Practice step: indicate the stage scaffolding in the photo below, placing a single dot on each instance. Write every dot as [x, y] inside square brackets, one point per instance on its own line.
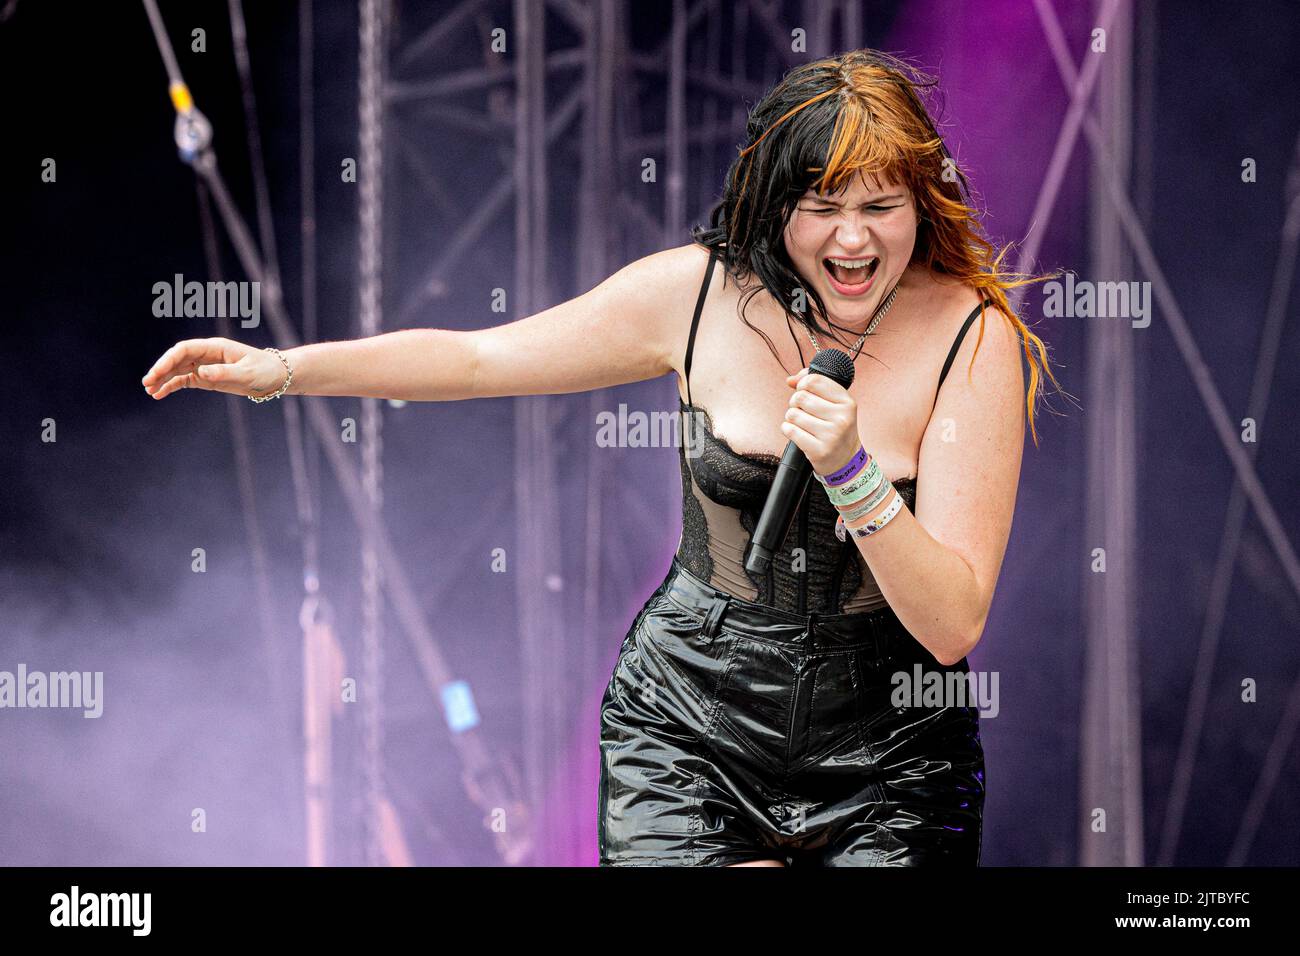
[681, 102]
[571, 70]
[599, 83]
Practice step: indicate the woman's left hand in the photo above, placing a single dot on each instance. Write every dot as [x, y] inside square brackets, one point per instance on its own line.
[822, 420]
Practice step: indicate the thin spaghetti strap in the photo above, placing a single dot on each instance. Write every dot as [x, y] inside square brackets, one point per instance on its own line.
[956, 345]
[695, 324]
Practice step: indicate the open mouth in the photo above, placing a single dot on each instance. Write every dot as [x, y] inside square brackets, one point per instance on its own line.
[851, 276]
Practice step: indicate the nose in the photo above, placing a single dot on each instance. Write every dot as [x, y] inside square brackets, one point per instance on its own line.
[853, 232]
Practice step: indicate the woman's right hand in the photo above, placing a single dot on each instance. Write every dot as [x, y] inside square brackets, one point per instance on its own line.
[218, 365]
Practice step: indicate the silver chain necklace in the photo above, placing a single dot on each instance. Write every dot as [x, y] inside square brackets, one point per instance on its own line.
[880, 314]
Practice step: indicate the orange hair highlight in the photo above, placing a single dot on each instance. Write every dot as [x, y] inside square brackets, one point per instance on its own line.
[861, 113]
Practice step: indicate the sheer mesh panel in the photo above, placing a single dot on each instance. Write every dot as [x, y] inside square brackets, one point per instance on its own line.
[723, 494]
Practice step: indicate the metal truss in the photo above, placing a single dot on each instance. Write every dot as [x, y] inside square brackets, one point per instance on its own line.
[680, 103]
[1115, 724]
[528, 109]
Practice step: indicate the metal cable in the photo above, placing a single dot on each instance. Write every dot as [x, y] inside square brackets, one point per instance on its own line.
[307, 231]
[164, 43]
[370, 210]
[304, 500]
[303, 497]
[248, 505]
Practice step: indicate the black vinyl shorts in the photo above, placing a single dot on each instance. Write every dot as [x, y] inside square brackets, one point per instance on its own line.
[731, 732]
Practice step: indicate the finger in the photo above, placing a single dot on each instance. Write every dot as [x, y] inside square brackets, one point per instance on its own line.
[811, 424]
[813, 403]
[827, 388]
[173, 384]
[207, 377]
[166, 364]
[213, 376]
[800, 437]
[792, 380]
[189, 380]
[184, 357]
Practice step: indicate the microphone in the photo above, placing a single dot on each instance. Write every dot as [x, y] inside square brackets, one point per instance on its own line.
[792, 475]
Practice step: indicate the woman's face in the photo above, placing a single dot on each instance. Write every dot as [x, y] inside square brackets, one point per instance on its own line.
[870, 228]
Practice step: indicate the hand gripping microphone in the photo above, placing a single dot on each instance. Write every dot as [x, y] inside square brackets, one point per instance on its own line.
[792, 475]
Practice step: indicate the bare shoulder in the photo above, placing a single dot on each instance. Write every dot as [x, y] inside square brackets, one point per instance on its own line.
[988, 364]
[991, 337]
[667, 286]
[948, 300]
[643, 301]
[625, 329]
[669, 277]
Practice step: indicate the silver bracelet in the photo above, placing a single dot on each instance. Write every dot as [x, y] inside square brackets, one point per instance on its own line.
[283, 388]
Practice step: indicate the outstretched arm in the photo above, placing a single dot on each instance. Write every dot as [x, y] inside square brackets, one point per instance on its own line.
[623, 330]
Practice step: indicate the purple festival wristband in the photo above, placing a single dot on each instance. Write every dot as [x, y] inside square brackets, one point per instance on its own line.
[848, 471]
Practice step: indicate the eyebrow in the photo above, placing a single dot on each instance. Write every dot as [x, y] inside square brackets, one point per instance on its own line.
[871, 202]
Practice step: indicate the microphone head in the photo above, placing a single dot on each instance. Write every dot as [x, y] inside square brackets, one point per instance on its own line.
[835, 365]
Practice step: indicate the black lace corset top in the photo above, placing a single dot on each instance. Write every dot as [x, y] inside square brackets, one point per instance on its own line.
[723, 493]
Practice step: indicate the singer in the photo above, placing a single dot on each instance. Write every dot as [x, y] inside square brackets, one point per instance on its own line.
[753, 718]
[762, 710]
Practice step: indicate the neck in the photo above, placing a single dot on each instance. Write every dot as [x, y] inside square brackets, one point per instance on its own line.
[858, 325]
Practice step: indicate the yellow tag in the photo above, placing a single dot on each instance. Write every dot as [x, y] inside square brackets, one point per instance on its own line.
[180, 94]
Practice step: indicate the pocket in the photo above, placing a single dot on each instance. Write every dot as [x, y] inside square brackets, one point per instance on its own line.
[685, 665]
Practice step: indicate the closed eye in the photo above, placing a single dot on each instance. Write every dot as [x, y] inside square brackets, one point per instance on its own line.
[823, 210]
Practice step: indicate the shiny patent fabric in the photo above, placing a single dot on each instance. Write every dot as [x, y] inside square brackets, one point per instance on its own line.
[731, 732]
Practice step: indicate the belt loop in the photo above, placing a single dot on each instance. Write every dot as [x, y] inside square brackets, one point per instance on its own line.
[714, 617]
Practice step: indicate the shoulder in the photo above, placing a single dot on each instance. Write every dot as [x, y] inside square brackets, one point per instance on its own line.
[957, 314]
[666, 285]
[673, 277]
[656, 288]
[985, 344]
[669, 273]
[652, 299]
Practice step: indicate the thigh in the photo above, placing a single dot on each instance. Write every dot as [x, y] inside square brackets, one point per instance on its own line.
[663, 800]
[924, 799]
[926, 808]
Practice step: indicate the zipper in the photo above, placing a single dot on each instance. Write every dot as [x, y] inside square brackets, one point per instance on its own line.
[803, 543]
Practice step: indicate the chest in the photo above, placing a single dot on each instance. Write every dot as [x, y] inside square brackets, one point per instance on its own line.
[740, 383]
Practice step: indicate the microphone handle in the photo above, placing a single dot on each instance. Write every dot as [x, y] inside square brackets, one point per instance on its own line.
[787, 492]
